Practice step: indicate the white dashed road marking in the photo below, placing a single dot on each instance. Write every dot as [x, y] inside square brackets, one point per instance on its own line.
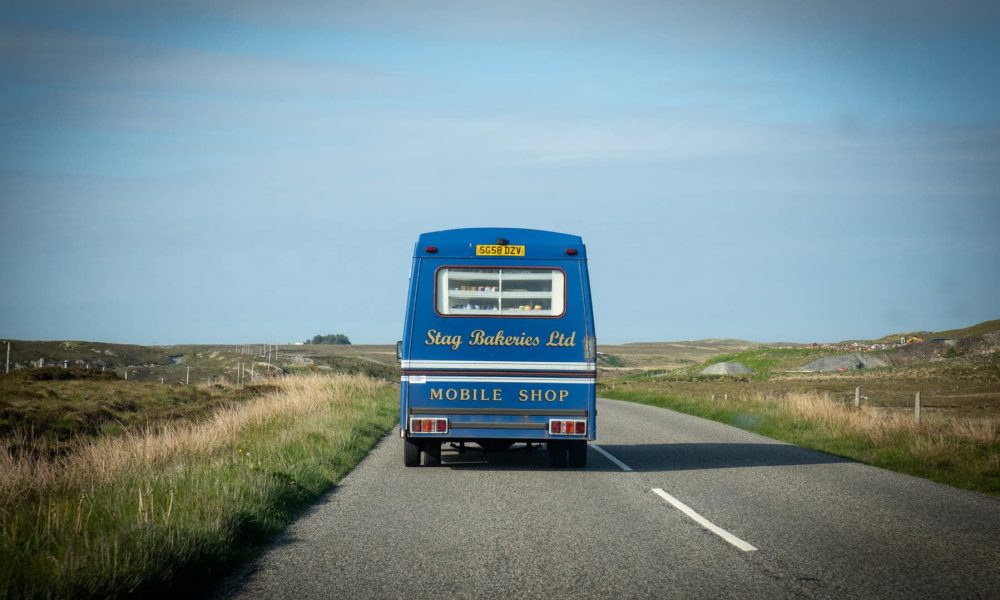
[722, 533]
[684, 508]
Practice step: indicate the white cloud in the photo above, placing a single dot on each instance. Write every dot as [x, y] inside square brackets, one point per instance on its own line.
[685, 19]
[94, 60]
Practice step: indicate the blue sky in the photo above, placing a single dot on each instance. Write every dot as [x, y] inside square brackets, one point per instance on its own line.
[173, 172]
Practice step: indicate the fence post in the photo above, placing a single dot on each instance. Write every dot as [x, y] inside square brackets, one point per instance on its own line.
[857, 396]
[187, 378]
[8, 357]
[916, 407]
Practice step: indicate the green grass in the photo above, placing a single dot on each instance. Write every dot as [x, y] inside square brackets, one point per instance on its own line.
[168, 512]
[765, 362]
[949, 451]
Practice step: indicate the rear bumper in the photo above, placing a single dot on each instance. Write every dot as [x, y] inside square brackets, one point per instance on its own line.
[499, 423]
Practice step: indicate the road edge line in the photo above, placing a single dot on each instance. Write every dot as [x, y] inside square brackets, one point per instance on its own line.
[687, 510]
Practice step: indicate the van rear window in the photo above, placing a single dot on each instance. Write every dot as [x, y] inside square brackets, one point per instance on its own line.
[501, 292]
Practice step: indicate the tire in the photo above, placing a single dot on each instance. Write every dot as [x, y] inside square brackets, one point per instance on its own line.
[411, 452]
[557, 454]
[432, 453]
[578, 454]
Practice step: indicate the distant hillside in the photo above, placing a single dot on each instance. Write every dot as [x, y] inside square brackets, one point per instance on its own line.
[706, 343]
[203, 362]
[955, 334]
[980, 329]
[199, 363]
[775, 357]
[666, 355]
[28, 353]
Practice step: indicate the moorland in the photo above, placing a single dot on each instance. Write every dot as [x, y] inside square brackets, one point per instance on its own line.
[129, 470]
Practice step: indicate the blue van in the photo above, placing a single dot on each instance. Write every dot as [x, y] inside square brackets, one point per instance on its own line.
[498, 345]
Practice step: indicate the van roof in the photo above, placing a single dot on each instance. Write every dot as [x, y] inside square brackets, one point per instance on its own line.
[461, 243]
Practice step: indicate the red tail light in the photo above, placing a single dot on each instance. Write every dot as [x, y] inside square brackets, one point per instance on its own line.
[438, 425]
[568, 427]
[431, 249]
[571, 251]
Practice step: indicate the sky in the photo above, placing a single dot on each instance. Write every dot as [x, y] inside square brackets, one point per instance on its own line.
[245, 171]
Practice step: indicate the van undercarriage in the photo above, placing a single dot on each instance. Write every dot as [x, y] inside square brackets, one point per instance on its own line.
[427, 451]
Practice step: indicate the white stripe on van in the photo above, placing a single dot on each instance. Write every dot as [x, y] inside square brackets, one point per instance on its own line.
[460, 379]
[478, 365]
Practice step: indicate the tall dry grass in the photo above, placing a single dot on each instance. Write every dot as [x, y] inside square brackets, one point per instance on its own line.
[964, 452]
[878, 425]
[130, 513]
[95, 463]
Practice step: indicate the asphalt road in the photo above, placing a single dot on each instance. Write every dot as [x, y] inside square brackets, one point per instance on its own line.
[506, 525]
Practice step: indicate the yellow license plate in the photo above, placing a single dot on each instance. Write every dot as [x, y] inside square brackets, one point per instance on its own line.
[498, 250]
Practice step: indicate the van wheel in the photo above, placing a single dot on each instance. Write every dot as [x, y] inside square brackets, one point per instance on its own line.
[578, 454]
[557, 454]
[432, 453]
[411, 452]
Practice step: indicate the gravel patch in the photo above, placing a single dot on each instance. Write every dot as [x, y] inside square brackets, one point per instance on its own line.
[853, 361]
[726, 368]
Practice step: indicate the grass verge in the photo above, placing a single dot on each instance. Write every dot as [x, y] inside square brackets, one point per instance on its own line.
[163, 511]
[51, 411]
[964, 453]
